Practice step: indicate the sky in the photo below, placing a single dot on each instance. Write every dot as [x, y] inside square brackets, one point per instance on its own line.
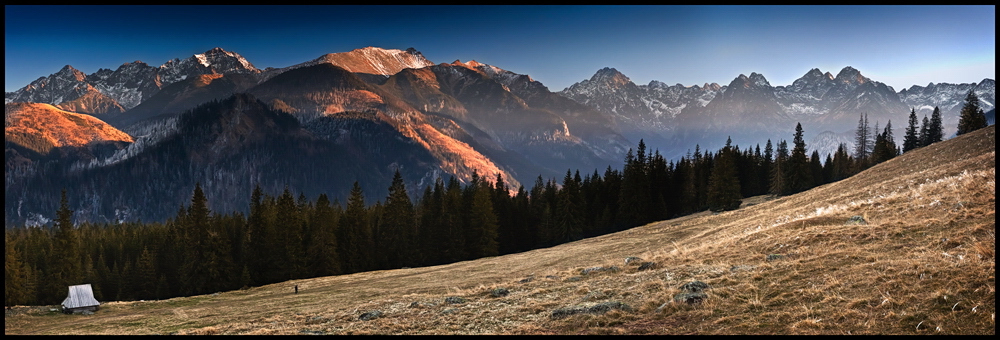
[900, 46]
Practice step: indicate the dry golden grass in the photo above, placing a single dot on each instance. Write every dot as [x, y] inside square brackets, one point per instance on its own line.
[58, 127]
[923, 264]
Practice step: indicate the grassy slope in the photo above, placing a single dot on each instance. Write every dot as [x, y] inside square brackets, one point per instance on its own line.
[924, 264]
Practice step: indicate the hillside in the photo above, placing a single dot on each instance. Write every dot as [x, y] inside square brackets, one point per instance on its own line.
[923, 263]
[41, 127]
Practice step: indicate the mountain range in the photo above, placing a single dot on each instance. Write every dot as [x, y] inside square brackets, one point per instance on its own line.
[675, 118]
[142, 136]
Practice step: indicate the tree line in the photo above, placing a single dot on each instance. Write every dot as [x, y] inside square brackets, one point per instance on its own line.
[287, 237]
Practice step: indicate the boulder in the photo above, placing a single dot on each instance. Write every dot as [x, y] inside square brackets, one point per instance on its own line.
[694, 287]
[370, 315]
[632, 259]
[454, 300]
[648, 265]
[599, 269]
[690, 298]
[499, 292]
[599, 308]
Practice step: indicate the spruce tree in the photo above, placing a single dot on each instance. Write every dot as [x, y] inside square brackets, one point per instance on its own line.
[634, 199]
[15, 278]
[816, 167]
[290, 221]
[503, 206]
[779, 182]
[862, 141]
[723, 183]
[431, 229]
[483, 240]
[935, 133]
[397, 225]
[454, 220]
[66, 262]
[972, 116]
[352, 228]
[912, 138]
[799, 174]
[324, 258]
[885, 145]
[766, 163]
[569, 211]
[146, 276]
[263, 265]
[925, 127]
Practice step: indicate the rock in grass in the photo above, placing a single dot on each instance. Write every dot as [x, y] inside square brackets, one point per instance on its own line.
[694, 287]
[566, 311]
[454, 300]
[647, 265]
[692, 293]
[499, 292]
[370, 315]
[773, 257]
[690, 298]
[857, 220]
[600, 308]
[631, 259]
[605, 307]
[316, 320]
[599, 269]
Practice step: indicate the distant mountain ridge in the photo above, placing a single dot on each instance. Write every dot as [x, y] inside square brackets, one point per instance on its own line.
[131, 83]
[750, 109]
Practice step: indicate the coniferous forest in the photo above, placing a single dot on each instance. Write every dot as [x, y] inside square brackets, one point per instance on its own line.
[289, 236]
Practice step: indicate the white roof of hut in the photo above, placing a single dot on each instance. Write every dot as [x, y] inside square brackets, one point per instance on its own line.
[80, 296]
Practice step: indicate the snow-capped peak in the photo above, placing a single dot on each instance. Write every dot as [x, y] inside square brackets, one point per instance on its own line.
[220, 58]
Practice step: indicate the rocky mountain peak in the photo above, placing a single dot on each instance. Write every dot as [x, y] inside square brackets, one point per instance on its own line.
[850, 75]
[813, 81]
[758, 79]
[225, 62]
[70, 73]
[373, 60]
[814, 76]
[610, 76]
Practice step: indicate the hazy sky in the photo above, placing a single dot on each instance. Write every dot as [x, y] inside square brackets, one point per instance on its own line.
[556, 45]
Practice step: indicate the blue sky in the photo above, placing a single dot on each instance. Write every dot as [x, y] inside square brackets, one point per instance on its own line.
[557, 45]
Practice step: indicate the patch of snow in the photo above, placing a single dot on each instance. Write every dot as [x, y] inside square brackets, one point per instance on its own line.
[201, 59]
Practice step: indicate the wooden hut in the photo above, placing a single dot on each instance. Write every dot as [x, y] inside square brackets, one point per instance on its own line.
[80, 298]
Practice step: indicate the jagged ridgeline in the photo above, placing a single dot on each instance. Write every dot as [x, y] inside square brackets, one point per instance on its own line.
[394, 109]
